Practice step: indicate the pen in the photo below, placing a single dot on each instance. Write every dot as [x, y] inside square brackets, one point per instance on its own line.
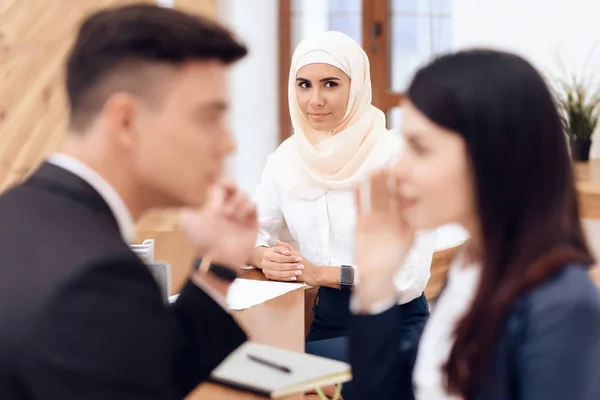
[278, 367]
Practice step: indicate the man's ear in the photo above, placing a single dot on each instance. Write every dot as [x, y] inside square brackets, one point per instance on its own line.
[120, 111]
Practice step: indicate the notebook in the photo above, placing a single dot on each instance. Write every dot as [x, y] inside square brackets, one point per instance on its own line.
[276, 373]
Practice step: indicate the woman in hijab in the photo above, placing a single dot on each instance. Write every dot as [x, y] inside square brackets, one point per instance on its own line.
[305, 199]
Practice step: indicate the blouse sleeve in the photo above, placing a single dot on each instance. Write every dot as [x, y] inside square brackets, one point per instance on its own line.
[270, 215]
[412, 278]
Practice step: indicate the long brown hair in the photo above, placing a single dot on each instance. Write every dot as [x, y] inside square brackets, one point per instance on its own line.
[523, 184]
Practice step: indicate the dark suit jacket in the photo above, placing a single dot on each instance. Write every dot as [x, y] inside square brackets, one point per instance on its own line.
[548, 349]
[81, 317]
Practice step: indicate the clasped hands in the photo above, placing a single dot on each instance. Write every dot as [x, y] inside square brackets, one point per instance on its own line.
[284, 263]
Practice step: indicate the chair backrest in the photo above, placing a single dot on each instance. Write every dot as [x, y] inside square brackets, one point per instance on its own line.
[440, 264]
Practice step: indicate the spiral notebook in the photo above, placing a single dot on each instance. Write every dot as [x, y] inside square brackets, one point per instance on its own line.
[275, 373]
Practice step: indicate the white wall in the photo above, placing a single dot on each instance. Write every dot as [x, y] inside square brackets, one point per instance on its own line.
[253, 86]
[538, 30]
[534, 29]
[560, 37]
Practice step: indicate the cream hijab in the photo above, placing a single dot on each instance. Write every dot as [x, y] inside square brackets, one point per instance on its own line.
[310, 163]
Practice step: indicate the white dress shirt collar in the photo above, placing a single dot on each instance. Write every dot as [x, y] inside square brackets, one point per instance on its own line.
[105, 190]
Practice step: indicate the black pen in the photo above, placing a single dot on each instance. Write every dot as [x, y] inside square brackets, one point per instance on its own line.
[278, 367]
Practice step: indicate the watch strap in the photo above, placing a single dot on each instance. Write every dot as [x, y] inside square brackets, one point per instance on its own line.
[220, 271]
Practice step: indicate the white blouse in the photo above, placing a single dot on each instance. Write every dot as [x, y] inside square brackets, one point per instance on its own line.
[322, 230]
[437, 340]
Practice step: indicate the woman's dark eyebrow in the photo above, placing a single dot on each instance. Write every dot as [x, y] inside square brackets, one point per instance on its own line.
[329, 78]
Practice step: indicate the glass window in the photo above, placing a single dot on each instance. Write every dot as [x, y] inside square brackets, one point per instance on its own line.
[350, 26]
[420, 29]
[345, 6]
[421, 6]
[314, 16]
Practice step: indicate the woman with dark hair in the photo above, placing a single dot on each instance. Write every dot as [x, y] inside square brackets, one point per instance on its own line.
[519, 317]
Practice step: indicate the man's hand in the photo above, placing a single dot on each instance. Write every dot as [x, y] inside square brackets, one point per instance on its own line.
[225, 229]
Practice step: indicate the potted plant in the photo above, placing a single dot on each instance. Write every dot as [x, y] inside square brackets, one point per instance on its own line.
[579, 103]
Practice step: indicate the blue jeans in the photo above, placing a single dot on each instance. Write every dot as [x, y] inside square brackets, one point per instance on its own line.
[328, 335]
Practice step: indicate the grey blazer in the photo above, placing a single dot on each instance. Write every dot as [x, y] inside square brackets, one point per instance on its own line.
[549, 347]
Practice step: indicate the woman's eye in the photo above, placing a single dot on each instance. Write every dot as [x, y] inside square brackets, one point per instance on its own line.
[330, 84]
[419, 149]
[304, 85]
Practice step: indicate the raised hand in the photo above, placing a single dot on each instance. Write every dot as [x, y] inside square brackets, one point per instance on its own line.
[225, 229]
[383, 236]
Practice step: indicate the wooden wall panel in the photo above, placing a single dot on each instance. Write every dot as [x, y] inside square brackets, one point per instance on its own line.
[35, 36]
[202, 7]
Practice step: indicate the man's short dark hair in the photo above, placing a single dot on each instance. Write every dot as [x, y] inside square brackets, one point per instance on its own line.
[113, 46]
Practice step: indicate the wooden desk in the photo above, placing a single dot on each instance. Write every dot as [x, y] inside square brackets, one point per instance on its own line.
[278, 322]
[587, 178]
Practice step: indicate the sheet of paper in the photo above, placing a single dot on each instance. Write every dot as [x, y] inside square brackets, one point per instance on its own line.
[245, 293]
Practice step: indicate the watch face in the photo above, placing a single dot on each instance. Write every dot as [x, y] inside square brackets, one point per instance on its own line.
[347, 275]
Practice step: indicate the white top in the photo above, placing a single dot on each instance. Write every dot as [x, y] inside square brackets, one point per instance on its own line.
[437, 340]
[323, 229]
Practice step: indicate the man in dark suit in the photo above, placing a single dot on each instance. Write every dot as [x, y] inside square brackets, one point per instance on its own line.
[81, 316]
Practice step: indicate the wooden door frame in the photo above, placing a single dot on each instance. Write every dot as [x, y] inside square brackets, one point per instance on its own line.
[377, 48]
[285, 58]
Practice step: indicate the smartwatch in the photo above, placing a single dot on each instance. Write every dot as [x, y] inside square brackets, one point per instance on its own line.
[346, 279]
